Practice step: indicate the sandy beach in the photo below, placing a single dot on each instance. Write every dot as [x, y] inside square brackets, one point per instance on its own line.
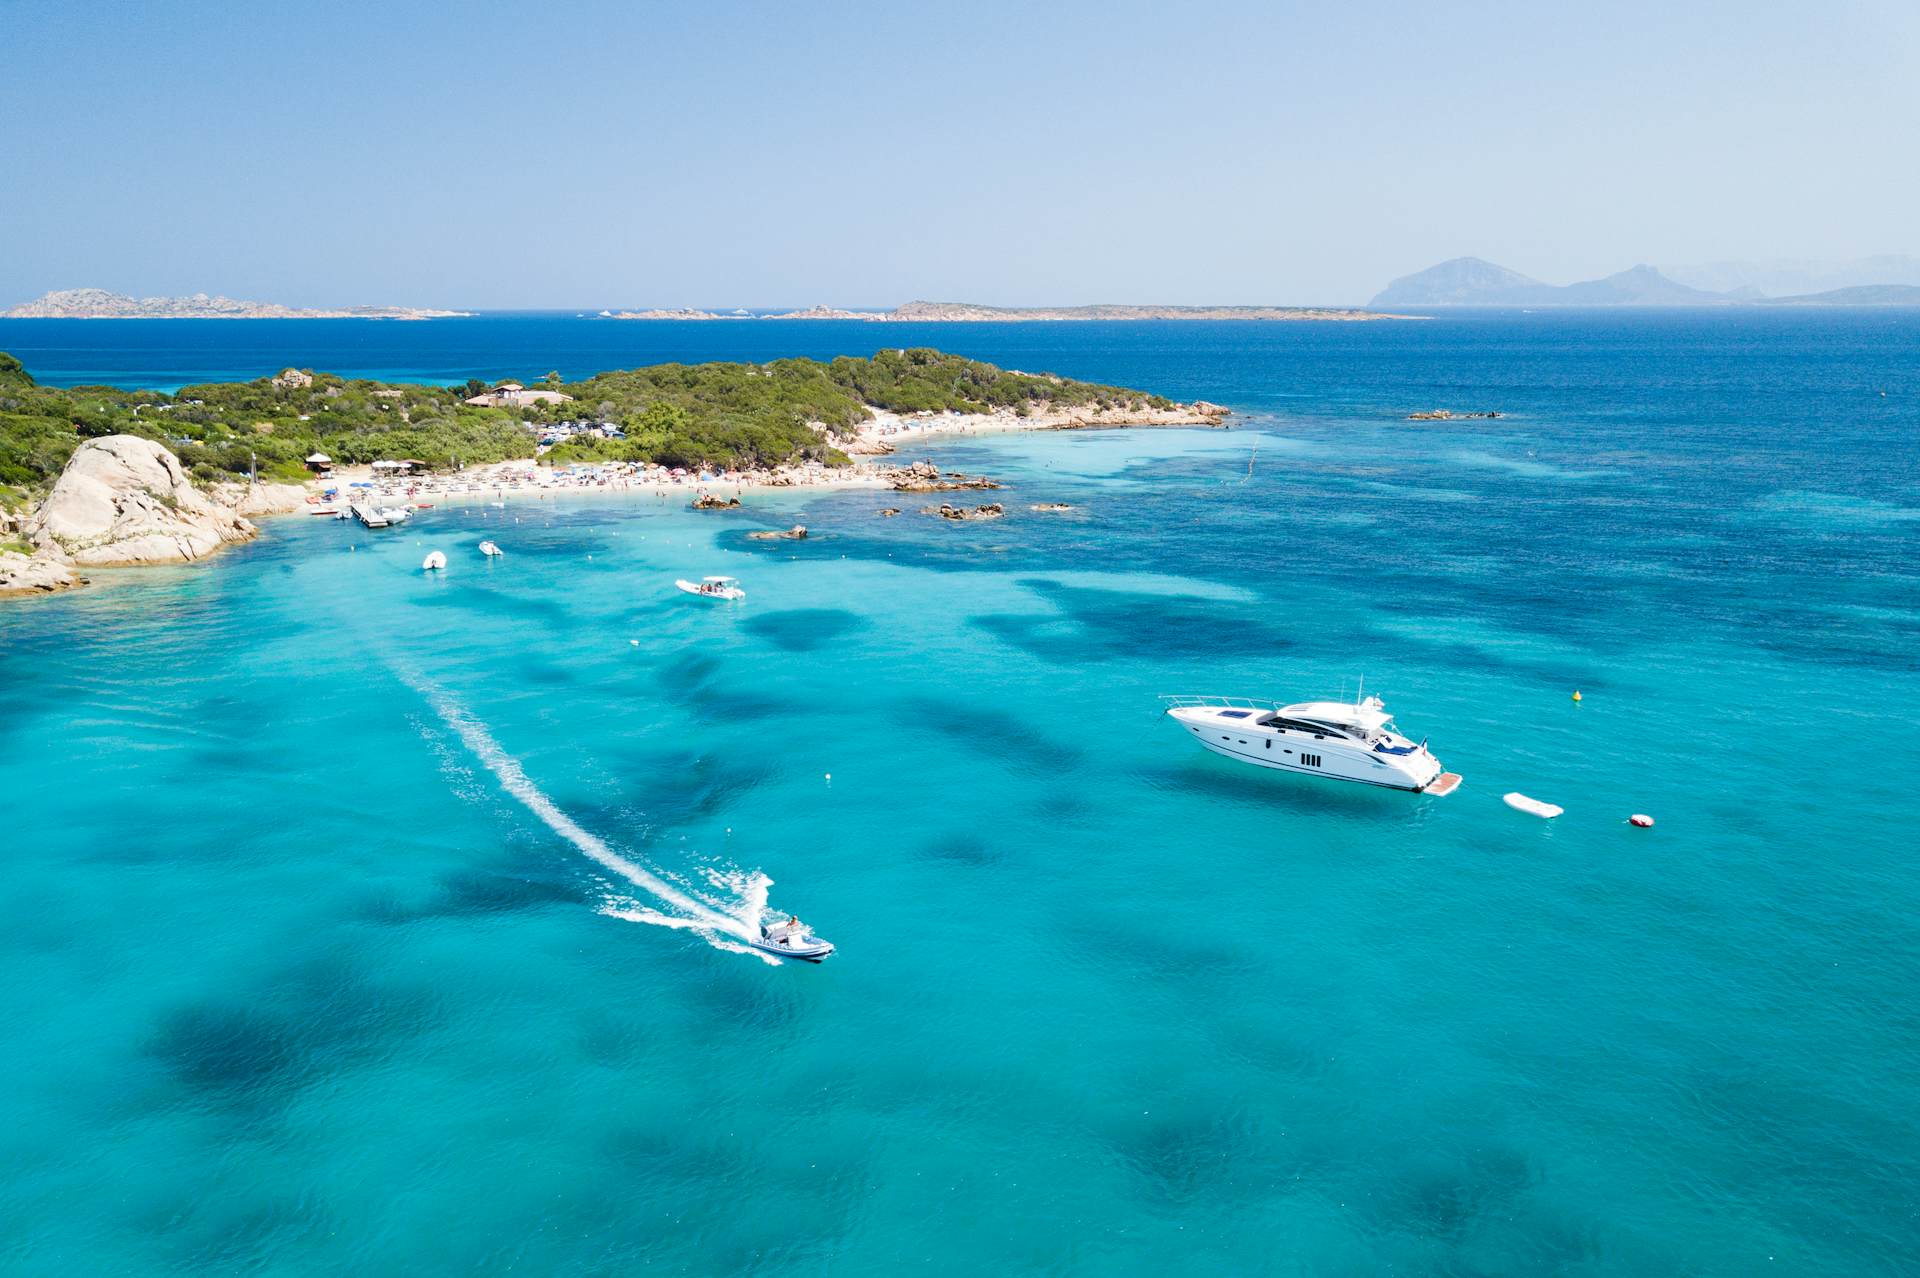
[880, 437]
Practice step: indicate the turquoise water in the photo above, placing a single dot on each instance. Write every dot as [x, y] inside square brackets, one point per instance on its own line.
[306, 976]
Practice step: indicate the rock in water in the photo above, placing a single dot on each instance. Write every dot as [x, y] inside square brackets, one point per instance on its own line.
[127, 500]
[945, 510]
[925, 477]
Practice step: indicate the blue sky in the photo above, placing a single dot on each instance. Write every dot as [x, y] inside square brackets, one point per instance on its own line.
[609, 152]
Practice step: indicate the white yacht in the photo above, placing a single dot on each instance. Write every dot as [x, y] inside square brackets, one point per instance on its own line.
[1348, 742]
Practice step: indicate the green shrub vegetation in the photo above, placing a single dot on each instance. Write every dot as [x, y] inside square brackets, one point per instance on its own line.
[674, 414]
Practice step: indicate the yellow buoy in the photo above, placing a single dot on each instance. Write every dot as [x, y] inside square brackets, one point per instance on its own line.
[1576, 694]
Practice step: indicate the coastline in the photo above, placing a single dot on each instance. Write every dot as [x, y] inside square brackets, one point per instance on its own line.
[972, 313]
[53, 570]
[879, 437]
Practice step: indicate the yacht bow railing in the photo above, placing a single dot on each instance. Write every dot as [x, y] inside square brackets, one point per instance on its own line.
[1182, 701]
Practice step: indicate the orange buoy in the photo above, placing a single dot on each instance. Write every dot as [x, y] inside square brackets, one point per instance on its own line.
[1642, 820]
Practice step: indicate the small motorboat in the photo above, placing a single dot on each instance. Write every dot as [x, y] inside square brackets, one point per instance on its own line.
[713, 588]
[434, 562]
[791, 940]
[488, 549]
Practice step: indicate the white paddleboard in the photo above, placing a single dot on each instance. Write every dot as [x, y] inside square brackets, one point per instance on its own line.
[1532, 807]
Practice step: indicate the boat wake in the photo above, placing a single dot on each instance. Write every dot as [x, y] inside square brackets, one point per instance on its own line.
[722, 923]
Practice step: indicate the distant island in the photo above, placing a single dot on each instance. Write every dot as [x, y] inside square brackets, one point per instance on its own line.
[1858, 295]
[1797, 277]
[972, 312]
[96, 303]
[1473, 281]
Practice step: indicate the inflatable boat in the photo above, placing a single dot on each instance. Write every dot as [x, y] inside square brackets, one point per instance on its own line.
[791, 940]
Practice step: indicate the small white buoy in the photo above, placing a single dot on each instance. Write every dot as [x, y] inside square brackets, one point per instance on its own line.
[829, 776]
[634, 642]
[1642, 820]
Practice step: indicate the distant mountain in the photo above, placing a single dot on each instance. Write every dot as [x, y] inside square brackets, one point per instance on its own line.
[1464, 281]
[1472, 281]
[1636, 286]
[1798, 277]
[97, 303]
[1862, 295]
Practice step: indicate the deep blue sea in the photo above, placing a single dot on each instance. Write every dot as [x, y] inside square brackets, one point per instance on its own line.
[332, 923]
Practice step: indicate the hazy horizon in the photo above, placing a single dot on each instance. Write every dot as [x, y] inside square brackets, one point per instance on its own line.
[751, 155]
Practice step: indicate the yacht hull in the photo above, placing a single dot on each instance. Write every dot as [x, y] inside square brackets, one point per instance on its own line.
[1279, 751]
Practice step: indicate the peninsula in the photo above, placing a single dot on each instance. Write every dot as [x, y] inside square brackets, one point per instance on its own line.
[95, 303]
[973, 313]
[968, 312]
[95, 476]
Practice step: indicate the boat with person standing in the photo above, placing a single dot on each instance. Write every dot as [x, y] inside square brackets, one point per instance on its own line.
[723, 588]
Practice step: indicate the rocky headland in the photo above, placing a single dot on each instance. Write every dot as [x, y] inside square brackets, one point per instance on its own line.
[127, 500]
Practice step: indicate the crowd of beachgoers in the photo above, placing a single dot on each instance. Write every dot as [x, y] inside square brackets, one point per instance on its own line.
[529, 478]
[875, 438]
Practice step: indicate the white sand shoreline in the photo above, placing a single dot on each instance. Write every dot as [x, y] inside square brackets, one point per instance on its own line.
[880, 436]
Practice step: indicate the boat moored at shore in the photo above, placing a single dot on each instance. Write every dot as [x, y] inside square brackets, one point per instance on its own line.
[1345, 741]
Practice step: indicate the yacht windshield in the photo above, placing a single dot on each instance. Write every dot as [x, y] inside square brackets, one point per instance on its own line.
[1303, 725]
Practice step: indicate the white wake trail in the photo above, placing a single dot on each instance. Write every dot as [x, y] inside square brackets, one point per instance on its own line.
[719, 928]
